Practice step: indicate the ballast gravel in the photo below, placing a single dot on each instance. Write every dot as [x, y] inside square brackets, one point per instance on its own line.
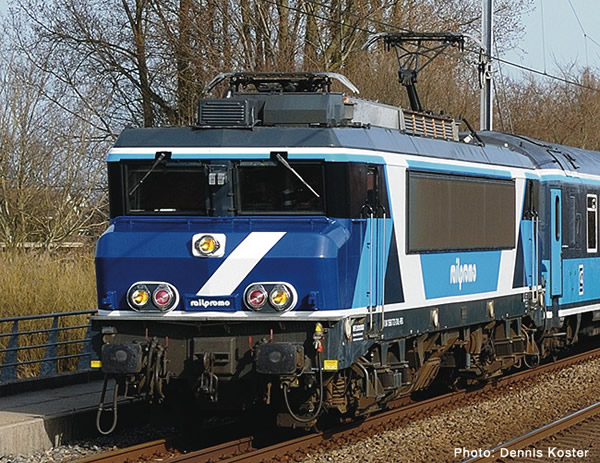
[93, 446]
[456, 435]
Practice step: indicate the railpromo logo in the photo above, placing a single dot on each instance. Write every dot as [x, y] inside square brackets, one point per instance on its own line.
[462, 273]
[206, 303]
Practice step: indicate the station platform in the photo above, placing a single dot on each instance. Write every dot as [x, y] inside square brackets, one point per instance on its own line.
[40, 420]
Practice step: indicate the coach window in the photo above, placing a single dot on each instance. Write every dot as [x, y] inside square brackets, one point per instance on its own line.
[592, 223]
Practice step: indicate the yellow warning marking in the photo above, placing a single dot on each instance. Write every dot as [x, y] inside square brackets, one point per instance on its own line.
[330, 365]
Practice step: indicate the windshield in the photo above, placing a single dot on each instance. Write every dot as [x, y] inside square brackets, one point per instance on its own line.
[167, 190]
[274, 189]
[228, 188]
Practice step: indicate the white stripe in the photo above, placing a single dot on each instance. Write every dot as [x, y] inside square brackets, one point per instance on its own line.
[180, 315]
[410, 264]
[576, 310]
[508, 257]
[240, 263]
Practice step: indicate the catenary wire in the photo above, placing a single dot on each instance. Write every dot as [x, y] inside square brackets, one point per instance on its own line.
[583, 31]
[497, 58]
[543, 33]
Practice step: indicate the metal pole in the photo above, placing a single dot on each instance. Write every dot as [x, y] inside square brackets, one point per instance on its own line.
[485, 66]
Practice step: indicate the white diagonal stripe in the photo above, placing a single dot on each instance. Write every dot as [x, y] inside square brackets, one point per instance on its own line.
[240, 263]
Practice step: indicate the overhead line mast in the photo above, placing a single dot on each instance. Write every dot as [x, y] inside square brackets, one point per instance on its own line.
[485, 66]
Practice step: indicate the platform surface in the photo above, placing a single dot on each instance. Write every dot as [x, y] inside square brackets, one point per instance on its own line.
[39, 420]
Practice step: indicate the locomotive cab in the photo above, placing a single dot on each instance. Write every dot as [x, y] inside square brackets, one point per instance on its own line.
[228, 271]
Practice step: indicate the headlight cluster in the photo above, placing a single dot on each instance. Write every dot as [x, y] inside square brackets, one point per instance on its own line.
[152, 296]
[280, 296]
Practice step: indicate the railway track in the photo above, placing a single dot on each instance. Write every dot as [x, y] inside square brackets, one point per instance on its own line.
[403, 411]
[573, 437]
[164, 449]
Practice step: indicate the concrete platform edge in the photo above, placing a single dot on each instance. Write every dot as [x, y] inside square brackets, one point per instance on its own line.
[43, 433]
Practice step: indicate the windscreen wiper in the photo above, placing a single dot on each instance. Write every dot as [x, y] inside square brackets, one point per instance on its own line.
[282, 160]
[159, 158]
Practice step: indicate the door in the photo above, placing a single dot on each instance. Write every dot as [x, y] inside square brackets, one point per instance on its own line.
[555, 242]
[377, 215]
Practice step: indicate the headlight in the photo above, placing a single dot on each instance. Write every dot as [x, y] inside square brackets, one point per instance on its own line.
[208, 245]
[280, 297]
[139, 297]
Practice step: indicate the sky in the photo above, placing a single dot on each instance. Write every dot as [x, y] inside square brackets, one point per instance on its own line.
[570, 34]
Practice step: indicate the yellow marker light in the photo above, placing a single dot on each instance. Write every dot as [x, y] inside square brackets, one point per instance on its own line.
[280, 297]
[140, 297]
[95, 364]
[207, 245]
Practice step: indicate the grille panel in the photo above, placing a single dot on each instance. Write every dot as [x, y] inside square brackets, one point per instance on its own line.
[225, 113]
[430, 126]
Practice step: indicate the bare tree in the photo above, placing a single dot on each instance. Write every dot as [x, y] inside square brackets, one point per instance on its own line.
[51, 165]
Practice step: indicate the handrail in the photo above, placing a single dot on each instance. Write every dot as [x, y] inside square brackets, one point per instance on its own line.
[9, 351]
[49, 315]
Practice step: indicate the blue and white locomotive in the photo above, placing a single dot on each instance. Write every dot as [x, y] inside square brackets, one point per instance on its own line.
[318, 254]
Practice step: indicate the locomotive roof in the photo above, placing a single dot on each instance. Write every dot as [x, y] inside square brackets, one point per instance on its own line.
[364, 138]
[499, 149]
[545, 155]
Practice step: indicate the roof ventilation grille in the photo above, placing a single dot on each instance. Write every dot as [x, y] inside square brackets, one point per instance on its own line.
[430, 126]
[225, 113]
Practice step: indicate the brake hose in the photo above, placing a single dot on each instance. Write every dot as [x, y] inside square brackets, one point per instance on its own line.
[101, 407]
[318, 411]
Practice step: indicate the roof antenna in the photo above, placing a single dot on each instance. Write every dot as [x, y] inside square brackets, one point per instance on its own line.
[414, 51]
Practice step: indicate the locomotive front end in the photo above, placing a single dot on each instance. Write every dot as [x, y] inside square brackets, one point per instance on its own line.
[229, 275]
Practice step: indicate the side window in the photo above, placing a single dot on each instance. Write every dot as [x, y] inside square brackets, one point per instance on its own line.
[573, 222]
[372, 187]
[592, 223]
[459, 213]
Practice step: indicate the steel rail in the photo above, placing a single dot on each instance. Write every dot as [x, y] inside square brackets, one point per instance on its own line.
[165, 448]
[538, 435]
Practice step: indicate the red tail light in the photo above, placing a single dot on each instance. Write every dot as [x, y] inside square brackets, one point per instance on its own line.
[163, 297]
[256, 297]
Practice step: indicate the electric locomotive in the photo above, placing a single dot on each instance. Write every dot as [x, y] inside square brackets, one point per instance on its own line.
[316, 254]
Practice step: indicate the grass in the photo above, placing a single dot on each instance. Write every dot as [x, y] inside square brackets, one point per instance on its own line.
[38, 282]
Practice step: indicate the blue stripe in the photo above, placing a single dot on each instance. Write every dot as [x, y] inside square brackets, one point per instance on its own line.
[328, 157]
[363, 285]
[438, 167]
[151, 155]
[340, 157]
[460, 273]
[571, 284]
